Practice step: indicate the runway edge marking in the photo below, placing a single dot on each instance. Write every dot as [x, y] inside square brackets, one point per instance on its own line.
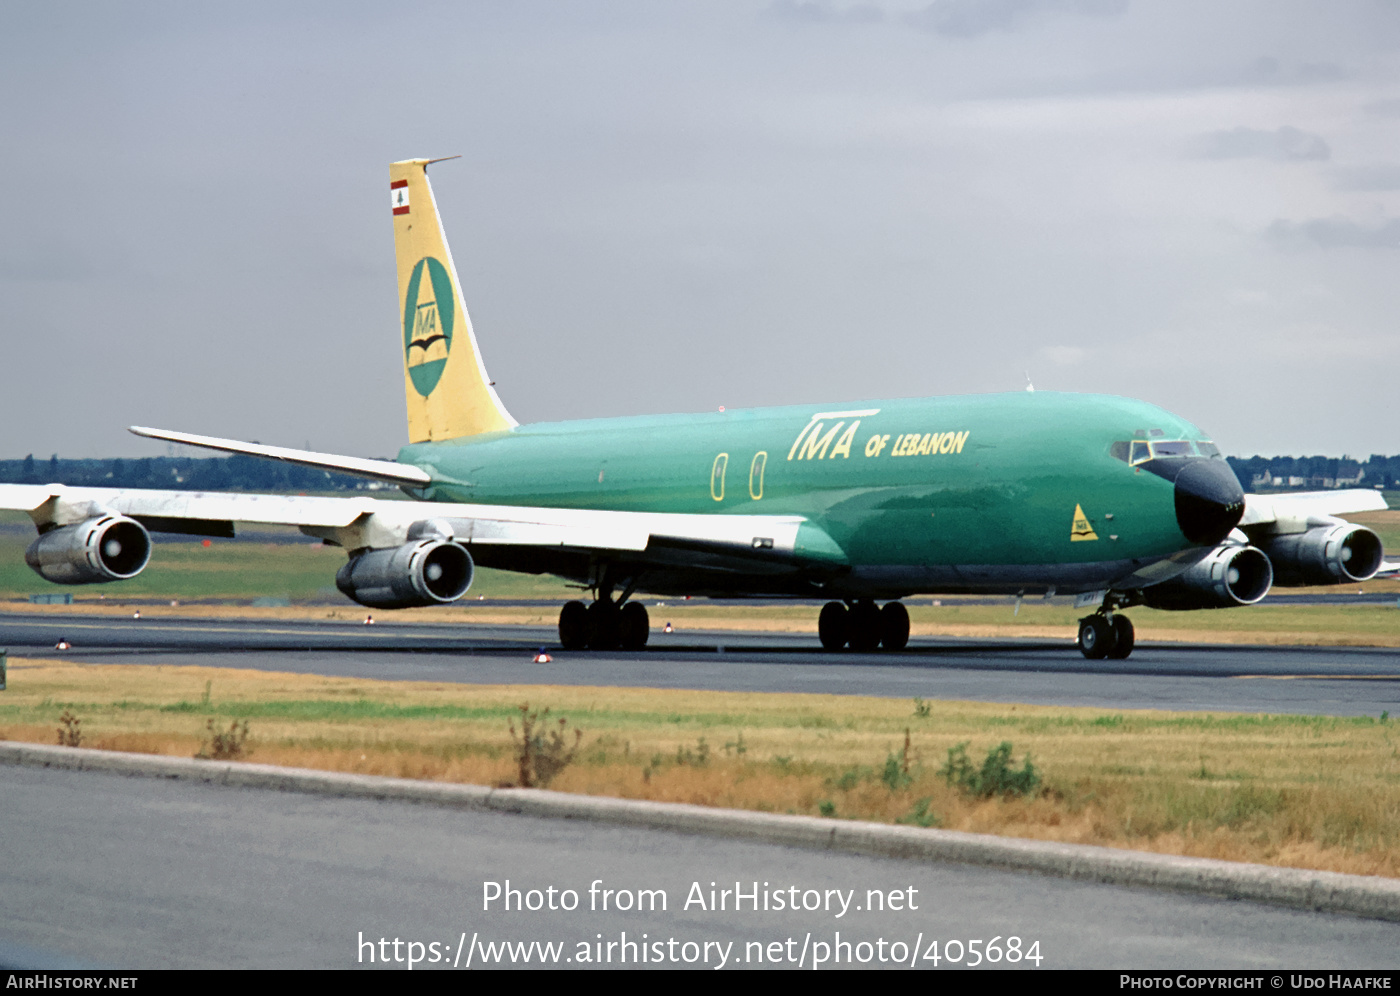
[1330, 892]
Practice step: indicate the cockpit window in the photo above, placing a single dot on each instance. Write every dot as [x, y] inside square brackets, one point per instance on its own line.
[1136, 451]
[1174, 448]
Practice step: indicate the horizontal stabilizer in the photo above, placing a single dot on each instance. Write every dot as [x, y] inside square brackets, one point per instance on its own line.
[378, 470]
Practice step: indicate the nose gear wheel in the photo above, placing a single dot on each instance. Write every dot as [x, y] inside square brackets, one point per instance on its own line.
[1102, 636]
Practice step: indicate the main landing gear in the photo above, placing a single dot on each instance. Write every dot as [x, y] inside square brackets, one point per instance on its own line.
[604, 625]
[863, 626]
[1106, 635]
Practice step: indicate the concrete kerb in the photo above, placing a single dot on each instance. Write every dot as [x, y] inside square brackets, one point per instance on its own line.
[1331, 892]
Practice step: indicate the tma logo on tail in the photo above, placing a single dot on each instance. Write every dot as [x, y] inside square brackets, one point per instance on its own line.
[428, 313]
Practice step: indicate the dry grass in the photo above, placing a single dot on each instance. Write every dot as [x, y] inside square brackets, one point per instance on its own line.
[1316, 792]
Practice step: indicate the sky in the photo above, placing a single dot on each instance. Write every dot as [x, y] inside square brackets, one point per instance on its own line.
[674, 206]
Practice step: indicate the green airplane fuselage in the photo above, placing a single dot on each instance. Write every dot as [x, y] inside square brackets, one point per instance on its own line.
[987, 481]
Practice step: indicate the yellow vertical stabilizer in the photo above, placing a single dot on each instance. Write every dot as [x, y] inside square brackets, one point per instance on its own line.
[449, 393]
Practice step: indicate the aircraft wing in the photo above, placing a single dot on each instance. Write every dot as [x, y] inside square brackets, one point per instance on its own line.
[357, 523]
[1261, 510]
[1269, 514]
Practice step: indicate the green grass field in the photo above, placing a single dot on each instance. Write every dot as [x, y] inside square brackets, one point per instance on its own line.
[1306, 791]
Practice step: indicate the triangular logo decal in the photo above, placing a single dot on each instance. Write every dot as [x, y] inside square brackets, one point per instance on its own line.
[1080, 529]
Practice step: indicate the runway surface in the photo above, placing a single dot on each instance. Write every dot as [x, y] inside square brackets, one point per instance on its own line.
[1312, 680]
[111, 871]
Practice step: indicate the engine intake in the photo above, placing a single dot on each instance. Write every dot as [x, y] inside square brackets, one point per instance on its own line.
[106, 548]
[1229, 576]
[1338, 554]
[421, 572]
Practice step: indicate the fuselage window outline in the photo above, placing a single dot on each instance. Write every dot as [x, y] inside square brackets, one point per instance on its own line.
[717, 476]
[756, 468]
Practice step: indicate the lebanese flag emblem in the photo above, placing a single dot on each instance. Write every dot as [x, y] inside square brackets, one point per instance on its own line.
[398, 191]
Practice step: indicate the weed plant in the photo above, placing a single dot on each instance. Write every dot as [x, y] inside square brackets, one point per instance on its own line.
[921, 815]
[225, 746]
[995, 777]
[896, 774]
[70, 733]
[541, 755]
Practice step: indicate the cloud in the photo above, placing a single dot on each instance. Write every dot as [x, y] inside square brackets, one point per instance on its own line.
[1269, 70]
[1378, 176]
[819, 12]
[1385, 108]
[1285, 145]
[1334, 233]
[971, 18]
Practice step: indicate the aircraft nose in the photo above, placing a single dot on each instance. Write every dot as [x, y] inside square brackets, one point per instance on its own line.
[1209, 500]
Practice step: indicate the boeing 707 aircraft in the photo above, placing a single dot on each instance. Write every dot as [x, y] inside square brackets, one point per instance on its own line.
[860, 503]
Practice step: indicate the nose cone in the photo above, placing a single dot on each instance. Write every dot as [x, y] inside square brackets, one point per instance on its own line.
[1209, 500]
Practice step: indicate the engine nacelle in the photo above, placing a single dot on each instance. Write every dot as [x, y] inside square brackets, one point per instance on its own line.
[1336, 554]
[106, 548]
[421, 572]
[1229, 576]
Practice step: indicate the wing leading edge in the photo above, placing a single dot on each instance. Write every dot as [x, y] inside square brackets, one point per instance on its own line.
[376, 470]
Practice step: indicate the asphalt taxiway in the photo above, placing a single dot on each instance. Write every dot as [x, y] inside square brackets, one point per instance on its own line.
[1283, 679]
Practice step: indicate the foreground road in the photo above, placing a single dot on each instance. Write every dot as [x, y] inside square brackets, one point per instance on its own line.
[110, 871]
[1317, 680]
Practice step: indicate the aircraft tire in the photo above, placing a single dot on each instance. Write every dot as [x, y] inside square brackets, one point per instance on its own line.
[1095, 637]
[602, 625]
[894, 626]
[865, 627]
[573, 626]
[1123, 638]
[633, 626]
[834, 625]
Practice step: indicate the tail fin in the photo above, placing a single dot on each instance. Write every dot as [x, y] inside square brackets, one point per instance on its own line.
[449, 393]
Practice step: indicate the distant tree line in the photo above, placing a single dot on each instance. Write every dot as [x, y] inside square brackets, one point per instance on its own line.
[1312, 472]
[245, 473]
[231, 473]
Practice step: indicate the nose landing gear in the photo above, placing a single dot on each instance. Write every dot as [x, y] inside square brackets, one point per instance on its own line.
[1106, 635]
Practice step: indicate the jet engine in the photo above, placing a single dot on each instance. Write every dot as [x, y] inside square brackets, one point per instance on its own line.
[1332, 554]
[429, 571]
[1230, 575]
[105, 548]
